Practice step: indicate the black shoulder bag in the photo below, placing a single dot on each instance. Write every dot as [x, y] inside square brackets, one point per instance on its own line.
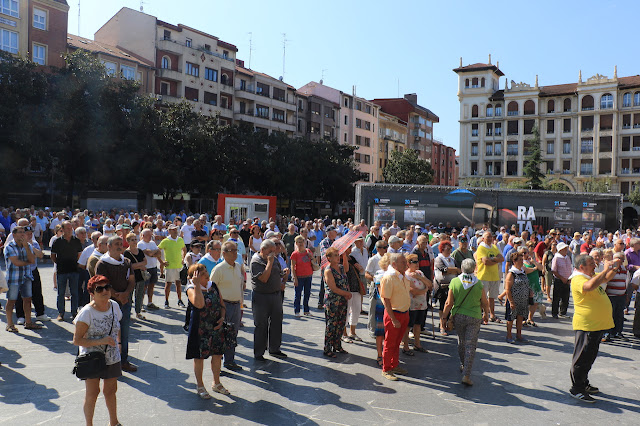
[91, 364]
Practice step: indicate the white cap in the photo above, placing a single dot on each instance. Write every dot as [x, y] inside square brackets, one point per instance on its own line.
[561, 246]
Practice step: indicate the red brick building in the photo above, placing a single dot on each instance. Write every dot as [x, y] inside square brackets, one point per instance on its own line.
[420, 122]
[47, 31]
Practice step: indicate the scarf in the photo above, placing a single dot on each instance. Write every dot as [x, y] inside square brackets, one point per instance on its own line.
[576, 273]
[96, 253]
[467, 280]
[209, 258]
[516, 270]
[110, 260]
[485, 245]
[209, 284]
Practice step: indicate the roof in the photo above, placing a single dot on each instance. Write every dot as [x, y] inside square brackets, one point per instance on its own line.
[479, 67]
[497, 96]
[426, 111]
[77, 42]
[253, 73]
[559, 89]
[628, 82]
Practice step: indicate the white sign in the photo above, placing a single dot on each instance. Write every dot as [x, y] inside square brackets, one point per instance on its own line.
[525, 216]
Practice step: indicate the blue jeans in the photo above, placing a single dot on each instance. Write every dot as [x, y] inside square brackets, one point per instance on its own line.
[72, 279]
[125, 323]
[304, 283]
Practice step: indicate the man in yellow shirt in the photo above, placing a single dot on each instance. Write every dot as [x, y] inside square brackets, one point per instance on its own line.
[489, 259]
[592, 317]
[394, 292]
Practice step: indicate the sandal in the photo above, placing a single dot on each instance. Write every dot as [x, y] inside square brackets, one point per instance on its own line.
[341, 351]
[532, 323]
[444, 333]
[347, 339]
[329, 354]
[356, 338]
[379, 361]
[32, 326]
[220, 389]
[408, 352]
[140, 317]
[202, 393]
[496, 320]
[420, 349]
[11, 329]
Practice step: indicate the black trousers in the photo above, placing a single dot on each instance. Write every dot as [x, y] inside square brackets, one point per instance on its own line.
[560, 302]
[585, 351]
[321, 292]
[636, 316]
[36, 300]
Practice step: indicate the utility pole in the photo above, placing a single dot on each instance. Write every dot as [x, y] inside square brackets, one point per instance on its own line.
[284, 51]
[250, 47]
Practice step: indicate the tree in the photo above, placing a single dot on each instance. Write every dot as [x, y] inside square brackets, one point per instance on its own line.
[478, 183]
[556, 186]
[407, 168]
[532, 167]
[597, 185]
[634, 197]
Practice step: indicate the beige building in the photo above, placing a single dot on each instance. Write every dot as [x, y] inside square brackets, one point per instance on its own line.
[358, 124]
[266, 102]
[589, 129]
[191, 64]
[392, 136]
[14, 26]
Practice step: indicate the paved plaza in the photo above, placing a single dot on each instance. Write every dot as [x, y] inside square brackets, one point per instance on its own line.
[514, 384]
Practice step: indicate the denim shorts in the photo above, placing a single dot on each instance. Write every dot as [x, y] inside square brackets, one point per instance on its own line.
[23, 289]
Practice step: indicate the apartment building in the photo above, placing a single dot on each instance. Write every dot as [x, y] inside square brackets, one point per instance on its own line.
[392, 136]
[36, 29]
[589, 129]
[317, 118]
[268, 103]
[118, 62]
[191, 64]
[443, 162]
[358, 121]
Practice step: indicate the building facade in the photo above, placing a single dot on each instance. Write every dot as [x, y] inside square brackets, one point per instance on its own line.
[588, 130]
[35, 29]
[317, 118]
[118, 62]
[393, 137]
[358, 122]
[190, 64]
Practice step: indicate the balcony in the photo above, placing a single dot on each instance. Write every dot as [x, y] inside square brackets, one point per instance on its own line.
[586, 172]
[512, 113]
[178, 48]
[587, 108]
[586, 150]
[512, 152]
[566, 172]
[474, 152]
[170, 74]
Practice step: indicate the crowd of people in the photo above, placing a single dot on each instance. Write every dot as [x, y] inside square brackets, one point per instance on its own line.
[107, 263]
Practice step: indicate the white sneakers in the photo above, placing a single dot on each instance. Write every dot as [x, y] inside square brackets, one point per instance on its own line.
[20, 321]
[43, 318]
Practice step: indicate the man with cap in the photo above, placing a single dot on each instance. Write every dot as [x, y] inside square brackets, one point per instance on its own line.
[575, 244]
[454, 239]
[175, 250]
[395, 244]
[561, 268]
[324, 245]
[462, 252]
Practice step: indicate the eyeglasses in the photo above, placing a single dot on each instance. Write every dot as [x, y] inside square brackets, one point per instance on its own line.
[383, 247]
[231, 251]
[101, 288]
[413, 261]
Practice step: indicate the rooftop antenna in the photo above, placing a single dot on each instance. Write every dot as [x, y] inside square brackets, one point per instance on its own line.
[284, 50]
[322, 79]
[78, 18]
[142, 3]
[250, 47]
[398, 86]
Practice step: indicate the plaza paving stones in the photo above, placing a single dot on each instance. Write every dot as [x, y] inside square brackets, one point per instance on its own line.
[521, 383]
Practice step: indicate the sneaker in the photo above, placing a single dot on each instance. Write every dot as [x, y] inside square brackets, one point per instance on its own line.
[20, 321]
[232, 366]
[279, 354]
[621, 337]
[591, 390]
[606, 338]
[399, 370]
[307, 314]
[127, 366]
[298, 315]
[181, 304]
[166, 304]
[583, 396]
[142, 309]
[43, 318]
[389, 376]
[260, 358]
[152, 307]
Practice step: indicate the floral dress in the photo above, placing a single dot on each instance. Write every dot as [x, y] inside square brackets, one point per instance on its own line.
[203, 340]
[335, 310]
[520, 292]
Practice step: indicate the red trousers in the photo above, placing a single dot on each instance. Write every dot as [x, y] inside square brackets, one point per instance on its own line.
[392, 339]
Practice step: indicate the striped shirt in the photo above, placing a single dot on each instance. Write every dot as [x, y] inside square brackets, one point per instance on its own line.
[618, 285]
[561, 265]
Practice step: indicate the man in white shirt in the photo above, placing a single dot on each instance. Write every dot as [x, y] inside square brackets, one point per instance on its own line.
[186, 231]
[394, 228]
[153, 254]
[373, 265]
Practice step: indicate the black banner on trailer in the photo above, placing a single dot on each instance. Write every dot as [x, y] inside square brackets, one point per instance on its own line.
[528, 210]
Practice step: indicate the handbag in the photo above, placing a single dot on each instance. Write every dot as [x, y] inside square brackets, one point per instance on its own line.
[91, 364]
[314, 264]
[449, 325]
[146, 275]
[228, 335]
[3, 283]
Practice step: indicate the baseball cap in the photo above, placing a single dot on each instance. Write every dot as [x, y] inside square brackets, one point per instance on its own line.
[198, 244]
[464, 240]
[331, 228]
[172, 226]
[517, 240]
[577, 234]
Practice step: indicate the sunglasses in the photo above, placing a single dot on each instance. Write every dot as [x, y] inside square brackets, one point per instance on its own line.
[383, 247]
[101, 288]
[232, 251]
[413, 261]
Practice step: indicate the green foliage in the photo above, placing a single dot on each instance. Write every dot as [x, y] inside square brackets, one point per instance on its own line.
[634, 197]
[102, 134]
[532, 166]
[407, 168]
[478, 183]
[556, 186]
[516, 184]
[598, 185]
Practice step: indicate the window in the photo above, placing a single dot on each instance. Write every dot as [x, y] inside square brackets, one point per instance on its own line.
[10, 7]
[358, 140]
[225, 54]
[474, 150]
[367, 109]
[357, 157]
[512, 148]
[346, 120]
[550, 126]
[566, 167]
[367, 142]
[262, 111]
[466, 83]
[39, 19]
[587, 123]
[111, 68]
[606, 122]
[210, 98]
[512, 168]
[262, 89]
[279, 94]
[188, 42]
[128, 73]
[358, 123]
[191, 94]
[359, 105]
[211, 74]
[529, 107]
[551, 106]
[512, 128]
[346, 102]
[39, 54]
[367, 159]
[550, 147]
[626, 121]
[606, 101]
[278, 115]
[636, 99]
[586, 146]
[489, 110]
[566, 146]
[166, 63]
[193, 69]
[474, 82]
[498, 129]
[606, 144]
[549, 167]
[345, 138]
[587, 103]
[314, 108]
[167, 35]
[512, 109]
[498, 110]
[626, 100]
[482, 82]
[626, 143]
[329, 112]
[566, 125]
[474, 168]
[367, 125]
[489, 129]
[9, 41]
[474, 130]
[497, 149]
[164, 88]
[567, 105]
[474, 111]
[586, 167]
[488, 150]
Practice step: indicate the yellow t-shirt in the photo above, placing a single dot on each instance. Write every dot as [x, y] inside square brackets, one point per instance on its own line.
[487, 273]
[593, 310]
[395, 287]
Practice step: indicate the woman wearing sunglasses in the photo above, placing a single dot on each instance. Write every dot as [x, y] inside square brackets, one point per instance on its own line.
[93, 323]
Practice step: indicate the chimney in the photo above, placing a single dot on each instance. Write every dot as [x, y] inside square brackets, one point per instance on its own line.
[489, 58]
[412, 98]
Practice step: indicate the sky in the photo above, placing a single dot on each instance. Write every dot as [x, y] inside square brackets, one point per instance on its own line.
[387, 49]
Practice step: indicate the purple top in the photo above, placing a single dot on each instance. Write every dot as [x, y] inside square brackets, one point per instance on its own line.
[633, 259]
